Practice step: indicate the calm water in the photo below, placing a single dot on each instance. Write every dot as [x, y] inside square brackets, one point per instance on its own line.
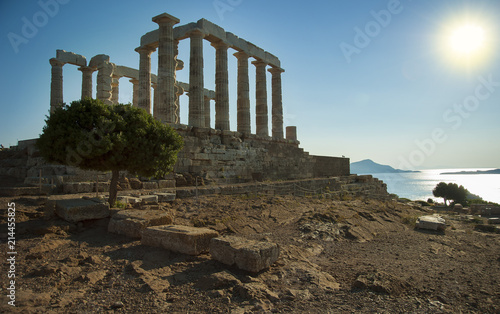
[419, 185]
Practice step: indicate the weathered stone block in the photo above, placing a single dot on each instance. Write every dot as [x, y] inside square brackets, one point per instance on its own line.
[135, 183]
[75, 210]
[128, 199]
[132, 222]
[166, 184]
[149, 198]
[166, 197]
[149, 185]
[249, 255]
[430, 222]
[182, 239]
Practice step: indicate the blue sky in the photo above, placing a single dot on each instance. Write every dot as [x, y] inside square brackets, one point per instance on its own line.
[364, 79]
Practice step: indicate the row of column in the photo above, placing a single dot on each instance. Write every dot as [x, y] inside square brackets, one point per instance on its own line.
[198, 114]
[107, 84]
[243, 100]
[167, 94]
[56, 85]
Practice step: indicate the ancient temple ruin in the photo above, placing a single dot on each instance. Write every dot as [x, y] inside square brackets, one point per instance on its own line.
[211, 153]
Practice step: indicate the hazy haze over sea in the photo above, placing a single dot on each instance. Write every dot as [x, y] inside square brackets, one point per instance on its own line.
[419, 185]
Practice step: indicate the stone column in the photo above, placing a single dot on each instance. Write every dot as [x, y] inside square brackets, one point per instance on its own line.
[115, 89]
[262, 128]
[196, 102]
[221, 86]
[144, 98]
[165, 107]
[291, 133]
[277, 104]
[243, 102]
[207, 111]
[86, 81]
[104, 81]
[56, 84]
[135, 91]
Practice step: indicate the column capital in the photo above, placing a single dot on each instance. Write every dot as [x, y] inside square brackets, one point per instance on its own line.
[220, 44]
[165, 18]
[196, 33]
[276, 70]
[241, 55]
[145, 50]
[259, 62]
[134, 81]
[56, 62]
[86, 69]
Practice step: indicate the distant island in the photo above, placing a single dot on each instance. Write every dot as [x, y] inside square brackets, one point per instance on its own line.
[494, 171]
[368, 166]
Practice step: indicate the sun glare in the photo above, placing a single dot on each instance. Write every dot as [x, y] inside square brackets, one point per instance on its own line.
[466, 43]
[467, 39]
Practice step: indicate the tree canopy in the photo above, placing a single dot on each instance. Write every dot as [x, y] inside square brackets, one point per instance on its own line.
[94, 136]
[451, 191]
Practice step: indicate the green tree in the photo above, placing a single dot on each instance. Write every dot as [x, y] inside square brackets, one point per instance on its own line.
[451, 191]
[441, 190]
[94, 136]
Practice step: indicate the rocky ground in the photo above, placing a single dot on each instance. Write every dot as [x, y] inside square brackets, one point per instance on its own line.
[351, 256]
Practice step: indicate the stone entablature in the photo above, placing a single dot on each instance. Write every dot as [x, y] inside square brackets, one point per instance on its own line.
[214, 33]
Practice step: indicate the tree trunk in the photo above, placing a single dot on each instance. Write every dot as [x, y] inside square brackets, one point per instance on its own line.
[113, 187]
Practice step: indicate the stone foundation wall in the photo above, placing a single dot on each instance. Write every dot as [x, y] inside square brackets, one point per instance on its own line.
[212, 156]
[334, 187]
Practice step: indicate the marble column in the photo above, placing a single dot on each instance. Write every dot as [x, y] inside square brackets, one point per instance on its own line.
[243, 102]
[165, 107]
[277, 104]
[261, 112]
[207, 111]
[135, 91]
[86, 81]
[104, 82]
[196, 101]
[115, 89]
[144, 98]
[291, 133]
[221, 86]
[56, 84]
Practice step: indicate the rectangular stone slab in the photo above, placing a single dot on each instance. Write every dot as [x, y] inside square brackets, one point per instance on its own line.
[182, 239]
[132, 222]
[249, 255]
[80, 209]
[166, 197]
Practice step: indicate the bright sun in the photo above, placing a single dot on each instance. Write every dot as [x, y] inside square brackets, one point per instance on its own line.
[467, 40]
[466, 43]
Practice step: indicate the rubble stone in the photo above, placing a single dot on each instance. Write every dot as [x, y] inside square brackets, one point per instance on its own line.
[249, 255]
[74, 210]
[132, 222]
[182, 239]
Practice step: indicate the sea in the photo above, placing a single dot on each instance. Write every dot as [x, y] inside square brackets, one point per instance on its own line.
[419, 185]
